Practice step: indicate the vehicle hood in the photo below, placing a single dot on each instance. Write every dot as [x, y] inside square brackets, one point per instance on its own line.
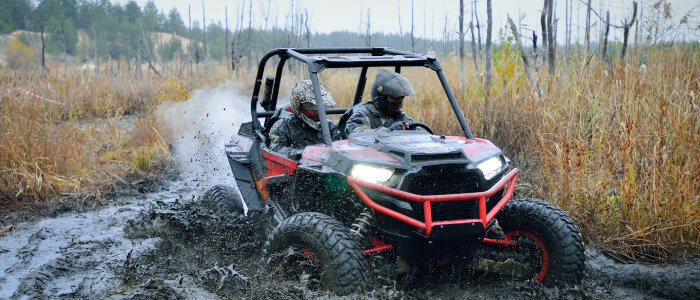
[400, 149]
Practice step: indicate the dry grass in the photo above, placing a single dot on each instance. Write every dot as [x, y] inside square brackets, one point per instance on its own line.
[103, 133]
[617, 146]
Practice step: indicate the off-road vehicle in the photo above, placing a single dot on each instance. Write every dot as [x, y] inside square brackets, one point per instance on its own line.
[425, 198]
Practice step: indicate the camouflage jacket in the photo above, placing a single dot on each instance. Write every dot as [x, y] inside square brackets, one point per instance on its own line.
[366, 116]
[290, 135]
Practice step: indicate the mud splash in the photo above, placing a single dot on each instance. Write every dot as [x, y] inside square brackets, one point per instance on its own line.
[165, 244]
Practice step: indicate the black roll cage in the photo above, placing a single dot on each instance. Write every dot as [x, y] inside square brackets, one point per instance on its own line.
[317, 61]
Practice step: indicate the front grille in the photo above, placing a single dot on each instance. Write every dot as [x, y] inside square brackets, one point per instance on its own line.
[444, 179]
[448, 179]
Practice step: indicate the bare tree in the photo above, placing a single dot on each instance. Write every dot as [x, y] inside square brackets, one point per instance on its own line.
[413, 41]
[462, 79]
[204, 32]
[489, 28]
[368, 31]
[63, 42]
[226, 45]
[478, 27]
[604, 42]
[43, 47]
[138, 60]
[543, 24]
[265, 11]
[587, 40]
[566, 27]
[627, 26]
[398, 9]
[307, 31]
[551, 31]
[445, 37]
[250, 26]
[474, 54]
[528, 69]
[189, 51]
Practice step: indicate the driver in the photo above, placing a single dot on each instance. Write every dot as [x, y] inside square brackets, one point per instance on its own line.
[383, 112]
[290, 135]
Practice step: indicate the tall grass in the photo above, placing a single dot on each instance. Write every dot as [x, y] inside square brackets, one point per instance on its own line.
[616, 145]
[103, 133]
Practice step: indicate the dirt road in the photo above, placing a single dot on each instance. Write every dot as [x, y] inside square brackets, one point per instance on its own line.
[163, 244]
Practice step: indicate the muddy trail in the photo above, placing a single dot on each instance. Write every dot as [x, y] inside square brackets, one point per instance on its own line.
[162, 242]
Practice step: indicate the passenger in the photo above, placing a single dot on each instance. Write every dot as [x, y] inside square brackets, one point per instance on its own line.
[291, 134]
[383, 112]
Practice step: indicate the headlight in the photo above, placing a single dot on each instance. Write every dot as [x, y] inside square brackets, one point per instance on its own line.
[491, 167]
[372, 174]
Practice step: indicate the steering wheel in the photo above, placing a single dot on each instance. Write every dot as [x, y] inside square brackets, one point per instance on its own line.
[414, 125]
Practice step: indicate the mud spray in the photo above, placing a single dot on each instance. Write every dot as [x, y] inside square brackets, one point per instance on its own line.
[166, 245]
[200, 127]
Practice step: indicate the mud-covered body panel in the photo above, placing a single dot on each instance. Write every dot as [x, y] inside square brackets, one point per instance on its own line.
[407, 150]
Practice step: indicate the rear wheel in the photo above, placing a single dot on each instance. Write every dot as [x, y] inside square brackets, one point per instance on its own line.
[550, 248]
[224, 200]
[317, 251]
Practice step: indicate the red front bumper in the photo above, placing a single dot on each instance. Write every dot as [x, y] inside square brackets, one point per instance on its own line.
[484, 216]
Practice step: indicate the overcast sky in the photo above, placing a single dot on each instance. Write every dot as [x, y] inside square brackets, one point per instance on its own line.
[429, 16]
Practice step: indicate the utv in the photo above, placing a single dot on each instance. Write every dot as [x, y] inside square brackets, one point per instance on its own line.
[425, 198]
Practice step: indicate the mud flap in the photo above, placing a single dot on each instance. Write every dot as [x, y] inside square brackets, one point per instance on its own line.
[241, 165]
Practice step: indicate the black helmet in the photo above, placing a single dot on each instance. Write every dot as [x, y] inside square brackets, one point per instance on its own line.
[389, 83]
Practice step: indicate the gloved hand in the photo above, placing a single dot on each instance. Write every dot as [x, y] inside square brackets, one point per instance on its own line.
[399, 126]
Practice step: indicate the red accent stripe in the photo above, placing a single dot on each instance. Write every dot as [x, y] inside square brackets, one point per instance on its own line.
[484, 217]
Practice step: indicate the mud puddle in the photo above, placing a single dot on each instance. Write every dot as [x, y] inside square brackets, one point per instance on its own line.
[165, 244]
[172, 247]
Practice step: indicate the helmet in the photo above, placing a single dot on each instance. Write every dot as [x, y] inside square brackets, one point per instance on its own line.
[303, 92]
[391, 84]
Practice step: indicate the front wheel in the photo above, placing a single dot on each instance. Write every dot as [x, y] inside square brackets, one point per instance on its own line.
[316, 251]
[549, 246]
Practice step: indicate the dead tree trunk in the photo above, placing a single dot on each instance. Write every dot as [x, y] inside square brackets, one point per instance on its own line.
[204, 34]
[189, 50]
[398, 8]
[476, 65]
[250, 31]
[489, 27]
[566, 28]
[543, 24]
[368, 31]
[306, 28]
[551, 42]
[138, 59]
[587, 40]
[526, 62]
[462, 79]
[413, 41]
[63, 41]
[445, 38]
[605, 37]
[478, 27]
[226, 45]
[43, 48]
[627, 27]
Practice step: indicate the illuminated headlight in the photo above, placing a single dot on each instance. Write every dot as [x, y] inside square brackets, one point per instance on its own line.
[491, 167]
[372, 174]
